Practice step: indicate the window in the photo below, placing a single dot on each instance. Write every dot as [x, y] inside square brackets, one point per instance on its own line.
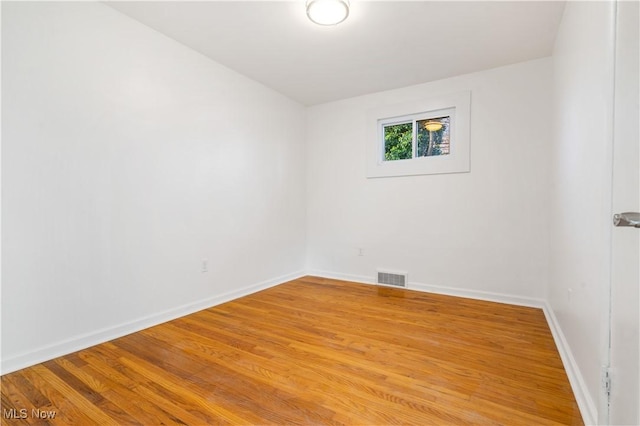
[427, 137]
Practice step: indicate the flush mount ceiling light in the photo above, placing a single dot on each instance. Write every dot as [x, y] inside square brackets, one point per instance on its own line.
[433, 126]
[327, 12]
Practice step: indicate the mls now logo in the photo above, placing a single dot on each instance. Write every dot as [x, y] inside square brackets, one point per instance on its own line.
[24, 414]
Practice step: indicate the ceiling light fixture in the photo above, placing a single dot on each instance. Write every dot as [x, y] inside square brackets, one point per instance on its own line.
[327, 12]
[433, 126]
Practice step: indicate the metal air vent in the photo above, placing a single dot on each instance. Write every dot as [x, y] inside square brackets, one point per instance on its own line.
[394, 279]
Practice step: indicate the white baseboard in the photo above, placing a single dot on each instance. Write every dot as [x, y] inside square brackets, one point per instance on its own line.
[480, 295]
[344, 277]
[585, 402]
[448, 291]
[84, 341]
[588, 407]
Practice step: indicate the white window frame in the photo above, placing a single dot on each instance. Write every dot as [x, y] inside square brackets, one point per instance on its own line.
[457, 106]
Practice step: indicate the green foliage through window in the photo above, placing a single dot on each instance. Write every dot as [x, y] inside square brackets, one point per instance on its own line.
[397, 141]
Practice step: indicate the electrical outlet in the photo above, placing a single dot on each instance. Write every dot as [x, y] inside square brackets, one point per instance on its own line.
[360, 251]
[205, 266]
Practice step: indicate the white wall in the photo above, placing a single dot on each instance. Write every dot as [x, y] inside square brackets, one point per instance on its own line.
[127, 159]
[483, 231]
[581, 184]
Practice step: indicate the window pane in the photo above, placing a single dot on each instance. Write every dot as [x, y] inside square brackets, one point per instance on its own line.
[397, 141]
[433, 137]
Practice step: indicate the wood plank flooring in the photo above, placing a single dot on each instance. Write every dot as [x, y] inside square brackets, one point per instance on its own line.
[311, 351]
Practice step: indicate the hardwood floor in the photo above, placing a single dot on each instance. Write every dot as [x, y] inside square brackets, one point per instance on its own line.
[312, 351]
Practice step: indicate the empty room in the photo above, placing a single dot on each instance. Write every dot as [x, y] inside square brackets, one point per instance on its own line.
[320, 212]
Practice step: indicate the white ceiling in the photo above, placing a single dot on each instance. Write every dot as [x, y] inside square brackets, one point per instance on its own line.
[382, 45]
